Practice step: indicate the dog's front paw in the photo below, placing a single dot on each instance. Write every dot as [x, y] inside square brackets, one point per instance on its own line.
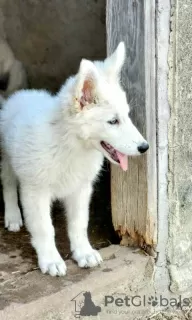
[55, 266]
[87, 257]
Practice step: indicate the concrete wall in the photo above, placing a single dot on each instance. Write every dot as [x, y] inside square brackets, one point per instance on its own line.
[51, 36]
[180, 148]
[163, 12]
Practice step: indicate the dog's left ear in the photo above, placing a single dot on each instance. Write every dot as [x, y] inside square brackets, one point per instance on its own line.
[114, 63]
[86, 84]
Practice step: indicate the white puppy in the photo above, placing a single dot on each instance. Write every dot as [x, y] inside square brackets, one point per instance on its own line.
[54, 147]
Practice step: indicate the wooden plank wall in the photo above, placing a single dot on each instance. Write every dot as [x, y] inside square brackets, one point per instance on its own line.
[134, 194]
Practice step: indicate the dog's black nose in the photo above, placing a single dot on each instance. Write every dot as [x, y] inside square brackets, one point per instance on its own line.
[143, 147]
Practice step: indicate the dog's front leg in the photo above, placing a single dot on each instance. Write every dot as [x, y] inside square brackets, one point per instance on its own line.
[36, 206]
[77, 205]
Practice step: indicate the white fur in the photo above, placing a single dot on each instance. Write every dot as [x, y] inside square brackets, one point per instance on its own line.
[51, 146]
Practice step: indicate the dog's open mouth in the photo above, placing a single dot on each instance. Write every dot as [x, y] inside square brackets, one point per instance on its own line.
[116, 156]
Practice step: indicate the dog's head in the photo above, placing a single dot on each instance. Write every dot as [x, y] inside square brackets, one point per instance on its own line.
[102, 112]
[87, 294]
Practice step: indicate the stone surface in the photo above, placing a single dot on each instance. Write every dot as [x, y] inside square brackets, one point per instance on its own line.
[162, 33]
[123, 272]
[180, 148]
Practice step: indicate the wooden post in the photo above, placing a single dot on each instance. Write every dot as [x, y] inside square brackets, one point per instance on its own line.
[134, 194]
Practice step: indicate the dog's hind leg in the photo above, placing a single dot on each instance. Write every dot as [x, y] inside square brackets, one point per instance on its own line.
[13, 219]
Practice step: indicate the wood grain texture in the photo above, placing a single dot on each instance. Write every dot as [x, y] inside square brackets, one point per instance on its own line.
[134, 194]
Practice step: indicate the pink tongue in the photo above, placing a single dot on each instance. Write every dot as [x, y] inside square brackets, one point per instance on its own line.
[123, 159]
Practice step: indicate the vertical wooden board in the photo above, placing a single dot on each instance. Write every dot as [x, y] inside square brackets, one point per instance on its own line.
[134, 194]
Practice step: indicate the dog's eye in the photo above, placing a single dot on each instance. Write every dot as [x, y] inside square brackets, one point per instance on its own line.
[114, 121]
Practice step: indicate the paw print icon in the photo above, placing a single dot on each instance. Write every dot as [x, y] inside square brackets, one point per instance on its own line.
[153, 301]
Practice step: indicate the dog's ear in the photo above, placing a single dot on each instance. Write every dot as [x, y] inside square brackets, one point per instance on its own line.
[114, 63]
[86, 84]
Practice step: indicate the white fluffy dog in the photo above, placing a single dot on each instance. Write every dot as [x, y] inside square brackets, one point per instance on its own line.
[54, 147]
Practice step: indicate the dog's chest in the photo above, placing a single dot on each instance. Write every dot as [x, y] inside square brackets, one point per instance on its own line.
[74, 172]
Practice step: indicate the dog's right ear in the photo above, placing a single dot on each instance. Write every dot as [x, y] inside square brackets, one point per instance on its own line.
[114, 63]
[87, 79]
